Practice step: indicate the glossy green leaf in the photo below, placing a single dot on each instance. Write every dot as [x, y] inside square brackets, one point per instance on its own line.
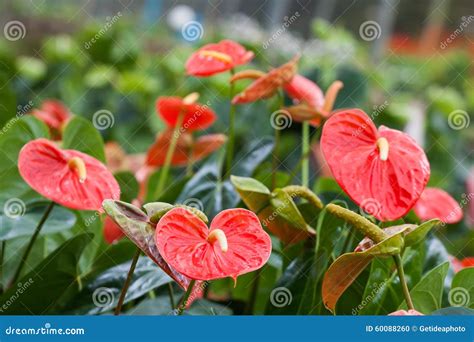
[38, 291]
[347, 268]
[81, 135]
[15, 134]
[254, 194]
[462, 289]
[283, 204]
[427, 294]
[128, 185]
[59, 219]
[418, 234]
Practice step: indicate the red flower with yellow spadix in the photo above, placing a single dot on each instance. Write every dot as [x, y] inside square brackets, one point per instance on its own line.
[265, 85]
[188, 149]
[68, 177]
[185, 112]
[216, 58]
[54, 114]
[384, 171]
[310, 102]
[234, 244]
[437, 203]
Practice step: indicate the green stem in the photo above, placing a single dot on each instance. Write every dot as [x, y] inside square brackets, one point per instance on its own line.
[32, 241]
[169, 156]
[231, 137]
[184, 300]
[304, 192]
[118, 308]
[171, 295]
[401, 274]
[305, 154]
[275, 157]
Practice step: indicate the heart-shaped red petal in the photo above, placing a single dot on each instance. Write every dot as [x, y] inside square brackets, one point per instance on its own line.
[45, 168]
[196, 116]
[182, 239]
[202, 64]
[437, 203]
[386, 189]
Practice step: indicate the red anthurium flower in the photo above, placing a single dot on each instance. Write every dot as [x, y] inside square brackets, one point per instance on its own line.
[68, 177]
[234, 244]
[406, 313]
[384, 171]
[437, 203]
[311, 103]
[265, 85]
[458, 265]
[187, 149]
[54, 114]
[215, 58]
[469, 198]
[112, 231]
[195, 116]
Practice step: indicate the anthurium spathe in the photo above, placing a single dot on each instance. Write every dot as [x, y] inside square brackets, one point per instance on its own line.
[187, 148]
[68, 177]
[216, 58]
[185, 112]
[310, 102]
[234, 244]
[265, 85]
[54, 114]
[437, 203]
[384, 171]
[112, 231]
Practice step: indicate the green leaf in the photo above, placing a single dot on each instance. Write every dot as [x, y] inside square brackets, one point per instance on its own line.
[102, 294]
[347, 268]
[59, 219]
[453, 311]
[462, 289]
[283, 204]
[8, 107]
[136, 225]
[15, 134]
[81, 135]
[418, 234]
[161, 306]
[128, 185]
[254, 194]
[428, 293]
[38, 291]
[251, 156]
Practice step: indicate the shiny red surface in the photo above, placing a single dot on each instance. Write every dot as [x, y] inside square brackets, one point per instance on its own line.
[181, 238]
[45, 168]
[199, 65]
[437, 203]
[387, 189]
[196, 116]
